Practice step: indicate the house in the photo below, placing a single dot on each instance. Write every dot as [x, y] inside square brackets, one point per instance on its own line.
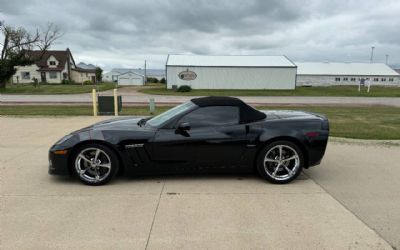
[52, 66]
[329, 73]
[231, 72]
[114, 74]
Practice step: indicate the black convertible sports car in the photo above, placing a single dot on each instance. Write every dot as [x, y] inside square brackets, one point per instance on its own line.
[209, 134]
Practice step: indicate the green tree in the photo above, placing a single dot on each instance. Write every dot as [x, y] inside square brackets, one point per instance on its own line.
[99, 74]
[15, 44]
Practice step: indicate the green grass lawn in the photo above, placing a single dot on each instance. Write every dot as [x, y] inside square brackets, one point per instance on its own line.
[27, 89]
[299, 91]
[377, 122]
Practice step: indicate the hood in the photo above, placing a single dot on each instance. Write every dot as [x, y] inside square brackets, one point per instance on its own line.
[290, 114]
[128, 123]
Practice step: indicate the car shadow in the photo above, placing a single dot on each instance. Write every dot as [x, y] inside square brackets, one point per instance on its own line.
[173, 177]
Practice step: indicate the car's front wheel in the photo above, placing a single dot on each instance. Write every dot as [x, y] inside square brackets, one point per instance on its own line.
[280, 162]
[95, 164]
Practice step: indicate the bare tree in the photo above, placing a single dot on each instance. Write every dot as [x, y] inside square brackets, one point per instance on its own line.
[17, 42]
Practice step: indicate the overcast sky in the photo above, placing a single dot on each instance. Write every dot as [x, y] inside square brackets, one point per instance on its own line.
[125, 33]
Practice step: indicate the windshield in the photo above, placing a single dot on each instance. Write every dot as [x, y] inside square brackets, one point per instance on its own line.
[161, 118]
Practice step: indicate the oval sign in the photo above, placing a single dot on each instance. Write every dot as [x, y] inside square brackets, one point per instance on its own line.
[187, 75]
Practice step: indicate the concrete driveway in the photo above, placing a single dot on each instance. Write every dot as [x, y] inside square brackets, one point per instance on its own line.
[350, 201]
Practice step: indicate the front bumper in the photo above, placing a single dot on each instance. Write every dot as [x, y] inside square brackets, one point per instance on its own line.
[58, 164]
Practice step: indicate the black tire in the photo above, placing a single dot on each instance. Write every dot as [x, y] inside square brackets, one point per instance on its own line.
[106, 155]
[295, 166]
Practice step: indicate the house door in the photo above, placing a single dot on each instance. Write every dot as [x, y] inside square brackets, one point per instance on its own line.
[43, 76]
[93, 79]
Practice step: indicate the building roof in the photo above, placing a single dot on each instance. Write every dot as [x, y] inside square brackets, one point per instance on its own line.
[84, 70]
[351, 69]
[41, 58]
[130, 72]
[229, 61]
[149, 72]
[246, 112]
[83, 65]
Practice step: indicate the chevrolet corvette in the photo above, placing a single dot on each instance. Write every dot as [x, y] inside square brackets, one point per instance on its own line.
[208, 134]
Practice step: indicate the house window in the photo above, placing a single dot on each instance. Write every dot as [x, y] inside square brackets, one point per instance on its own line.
[86, 75]
[26, 75]
[52, 63]
[337, 79]
[52, 75]
[390, 79]
[345, 79]
[383, 79]
[353, 79]
[376, 79]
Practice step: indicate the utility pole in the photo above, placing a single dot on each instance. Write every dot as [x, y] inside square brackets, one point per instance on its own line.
[372, 54]
[387, 59]
[145, 75]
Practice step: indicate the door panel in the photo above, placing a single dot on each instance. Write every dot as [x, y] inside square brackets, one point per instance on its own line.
[204, 146]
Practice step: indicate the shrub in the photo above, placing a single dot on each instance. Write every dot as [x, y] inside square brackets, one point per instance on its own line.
[152, 80]
[162, 80]
[184, 88]
[66, 81]
[35, 82]
[87, 82]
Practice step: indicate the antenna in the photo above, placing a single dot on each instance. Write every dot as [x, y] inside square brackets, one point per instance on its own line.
[387, 58]
[372, 54]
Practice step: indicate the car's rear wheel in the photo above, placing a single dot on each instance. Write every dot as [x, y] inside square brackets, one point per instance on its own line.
[280, 162]
[95, 164]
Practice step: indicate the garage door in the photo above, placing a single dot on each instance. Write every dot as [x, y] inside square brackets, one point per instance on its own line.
[130, 81]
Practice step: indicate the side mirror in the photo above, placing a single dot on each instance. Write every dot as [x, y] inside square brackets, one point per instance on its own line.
[185, 126]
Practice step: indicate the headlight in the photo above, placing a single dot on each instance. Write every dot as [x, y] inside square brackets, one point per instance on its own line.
[64, 139]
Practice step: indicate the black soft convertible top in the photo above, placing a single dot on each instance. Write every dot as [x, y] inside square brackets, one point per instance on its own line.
[247, 113]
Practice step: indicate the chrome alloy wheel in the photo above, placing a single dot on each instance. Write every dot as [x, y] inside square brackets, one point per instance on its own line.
[93, 165]
[281, 162]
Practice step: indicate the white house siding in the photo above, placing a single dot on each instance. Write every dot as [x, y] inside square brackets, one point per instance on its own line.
[111, 76]
[324, 80]
[80, 77]
[234, 77]
[57, 79]
[32, 69]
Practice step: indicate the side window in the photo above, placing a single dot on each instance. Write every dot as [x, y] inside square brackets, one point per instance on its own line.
[212, 116]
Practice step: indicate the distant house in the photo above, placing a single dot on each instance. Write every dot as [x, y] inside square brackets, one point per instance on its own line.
[52, 66]
[115, 74]
[325, 74]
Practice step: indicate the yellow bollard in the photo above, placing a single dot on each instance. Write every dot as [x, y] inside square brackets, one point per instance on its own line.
[115, 102]
[94, 100]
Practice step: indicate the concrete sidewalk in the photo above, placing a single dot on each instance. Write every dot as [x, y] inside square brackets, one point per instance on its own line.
[39, 211]
[135, 98]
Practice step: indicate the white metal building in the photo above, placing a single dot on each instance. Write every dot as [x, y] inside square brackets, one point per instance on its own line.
[130, 79]
[325, 74]
[231, 72]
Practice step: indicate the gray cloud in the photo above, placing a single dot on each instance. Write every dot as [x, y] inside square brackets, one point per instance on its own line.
[125, 33]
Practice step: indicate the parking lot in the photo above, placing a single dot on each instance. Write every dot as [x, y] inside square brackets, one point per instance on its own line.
[350, 201]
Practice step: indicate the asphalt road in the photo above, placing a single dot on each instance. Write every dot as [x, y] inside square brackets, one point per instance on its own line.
[135, 98]
[351, 201]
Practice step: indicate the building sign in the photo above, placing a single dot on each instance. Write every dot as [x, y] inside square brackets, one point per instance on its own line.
[187, 75]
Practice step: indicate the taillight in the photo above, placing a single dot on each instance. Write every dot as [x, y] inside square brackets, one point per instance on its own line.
[312, 134]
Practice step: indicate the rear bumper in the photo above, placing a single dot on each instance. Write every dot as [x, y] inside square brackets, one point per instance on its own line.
[316, 149]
